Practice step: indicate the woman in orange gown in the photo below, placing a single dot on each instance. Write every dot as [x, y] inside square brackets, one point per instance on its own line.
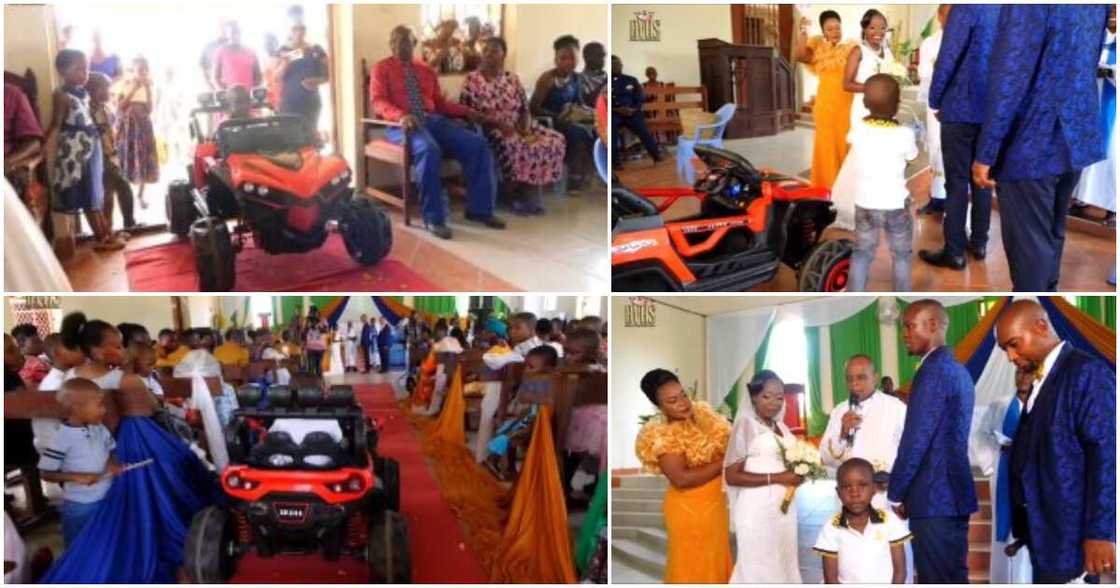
[827, 56]
[686, 443]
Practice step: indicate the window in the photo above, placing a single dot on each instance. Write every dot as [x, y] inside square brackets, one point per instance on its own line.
[787, 355]
[451, 34]
[260, 311]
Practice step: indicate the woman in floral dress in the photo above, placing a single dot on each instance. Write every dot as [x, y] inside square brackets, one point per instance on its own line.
[136, 139]
[529, 154]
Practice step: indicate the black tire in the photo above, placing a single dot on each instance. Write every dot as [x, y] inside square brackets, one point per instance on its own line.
[366, 231]
[210, 556]
[214, 257]
[826, 267]
[181, 212]
[387, 552]
[388, 470]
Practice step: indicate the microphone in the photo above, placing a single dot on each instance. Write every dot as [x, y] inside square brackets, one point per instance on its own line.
[853, 405]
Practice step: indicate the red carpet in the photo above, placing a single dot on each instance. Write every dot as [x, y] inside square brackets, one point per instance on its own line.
[439, 552]
[170, 268]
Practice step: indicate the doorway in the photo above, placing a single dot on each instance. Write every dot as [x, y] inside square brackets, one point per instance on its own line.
[172, 37]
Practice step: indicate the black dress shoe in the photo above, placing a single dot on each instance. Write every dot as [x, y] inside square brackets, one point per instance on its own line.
[490, 221]
[942, 259]
[934, 206]
[442, 231]
[978, 252]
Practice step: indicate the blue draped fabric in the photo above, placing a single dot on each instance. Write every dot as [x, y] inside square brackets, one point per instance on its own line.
[1003, 476]
[385, 311]
[1068, 332]
[979, 359]
[137, 534]
[1108, 97]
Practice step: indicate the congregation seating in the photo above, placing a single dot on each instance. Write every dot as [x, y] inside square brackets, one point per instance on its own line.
[664, 103]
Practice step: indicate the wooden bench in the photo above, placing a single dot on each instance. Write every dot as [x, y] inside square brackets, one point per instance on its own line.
[664, 103]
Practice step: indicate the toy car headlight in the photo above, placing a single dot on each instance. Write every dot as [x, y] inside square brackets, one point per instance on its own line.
[280, 460]
[262, 190]
[234, 481]
[248, 187]
[354, 484]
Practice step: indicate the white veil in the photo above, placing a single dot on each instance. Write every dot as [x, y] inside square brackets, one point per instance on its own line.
[198, 365]
[748, 425]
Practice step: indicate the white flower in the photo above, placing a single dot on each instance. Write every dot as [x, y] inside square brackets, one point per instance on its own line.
[801, 470]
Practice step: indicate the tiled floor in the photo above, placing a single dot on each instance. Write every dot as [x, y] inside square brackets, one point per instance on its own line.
[1090, 250]
[562, 250]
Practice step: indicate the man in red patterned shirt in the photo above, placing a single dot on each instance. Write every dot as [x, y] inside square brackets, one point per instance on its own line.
[408, 92]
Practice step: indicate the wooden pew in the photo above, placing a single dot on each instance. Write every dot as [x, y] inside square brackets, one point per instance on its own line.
[563, 389]
[175, 388]
[664, 104]
[235, 374]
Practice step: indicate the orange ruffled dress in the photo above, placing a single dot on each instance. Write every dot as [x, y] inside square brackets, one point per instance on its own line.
[831, 109]
[696, 519]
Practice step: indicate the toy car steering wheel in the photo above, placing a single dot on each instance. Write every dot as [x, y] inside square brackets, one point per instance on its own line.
[732, 180]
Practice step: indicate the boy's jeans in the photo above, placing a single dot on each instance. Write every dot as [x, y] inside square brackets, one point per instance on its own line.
[900, 236]
[75, 515]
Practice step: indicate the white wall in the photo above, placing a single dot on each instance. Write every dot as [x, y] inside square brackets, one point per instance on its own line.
[675, 56]
[27, 42]
[154, 312]
[676, 343]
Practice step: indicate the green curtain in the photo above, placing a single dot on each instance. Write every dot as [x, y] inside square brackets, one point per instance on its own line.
[593, 523]
[1100, 308]
[858, 333]
[818, 418]
[286, 307]
[321, 302]
[440, 306]
[760, 356]
[501, 309]
[962, 319]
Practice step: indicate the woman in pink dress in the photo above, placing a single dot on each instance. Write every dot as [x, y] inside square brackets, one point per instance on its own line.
[235, 64]
[529, 154]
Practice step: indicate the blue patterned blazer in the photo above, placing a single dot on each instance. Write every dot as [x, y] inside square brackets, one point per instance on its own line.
[1042, 114]
[931, 474]
[960, 75]
[1065, 457]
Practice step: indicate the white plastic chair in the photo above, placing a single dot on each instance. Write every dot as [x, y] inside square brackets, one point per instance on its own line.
[686, 147]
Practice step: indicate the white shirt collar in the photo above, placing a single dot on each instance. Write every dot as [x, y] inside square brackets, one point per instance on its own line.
[1047, 365]
[928, 353]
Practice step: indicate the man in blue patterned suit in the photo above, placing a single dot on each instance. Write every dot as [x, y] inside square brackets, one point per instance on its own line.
[1063, 457]
[958, 93]
[931, 481]
[1041, 127]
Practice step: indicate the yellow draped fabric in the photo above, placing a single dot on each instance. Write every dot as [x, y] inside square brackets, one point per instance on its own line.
[696, 521]
[536, 545]
[1102, 338]
[450, 428]
[325, 364]
[468, 488]
[831, 110]
[967, 346]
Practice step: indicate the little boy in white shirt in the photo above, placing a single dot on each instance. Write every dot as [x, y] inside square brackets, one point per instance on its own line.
[874, 177]
[861, 544]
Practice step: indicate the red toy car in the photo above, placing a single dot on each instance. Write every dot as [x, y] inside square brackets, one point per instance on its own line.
[749, 223]
[315, 494]
[267, 172]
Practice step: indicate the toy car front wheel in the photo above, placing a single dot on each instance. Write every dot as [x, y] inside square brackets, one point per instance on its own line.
[826, 267]
[181, 211]
[389, 472]
[211, 547]
[214, 257]
[387, 551]
[366, 231]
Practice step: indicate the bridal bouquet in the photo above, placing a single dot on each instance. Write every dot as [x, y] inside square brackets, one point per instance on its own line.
[804, 460]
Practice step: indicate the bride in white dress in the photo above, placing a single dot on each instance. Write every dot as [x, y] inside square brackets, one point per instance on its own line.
[756, 481]
[872, 56]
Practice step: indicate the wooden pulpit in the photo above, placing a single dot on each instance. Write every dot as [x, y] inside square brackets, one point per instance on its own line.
[757, 79]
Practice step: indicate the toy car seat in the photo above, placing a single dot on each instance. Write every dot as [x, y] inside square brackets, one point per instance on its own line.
[276, 450]
[320, 451]
[631, 211]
